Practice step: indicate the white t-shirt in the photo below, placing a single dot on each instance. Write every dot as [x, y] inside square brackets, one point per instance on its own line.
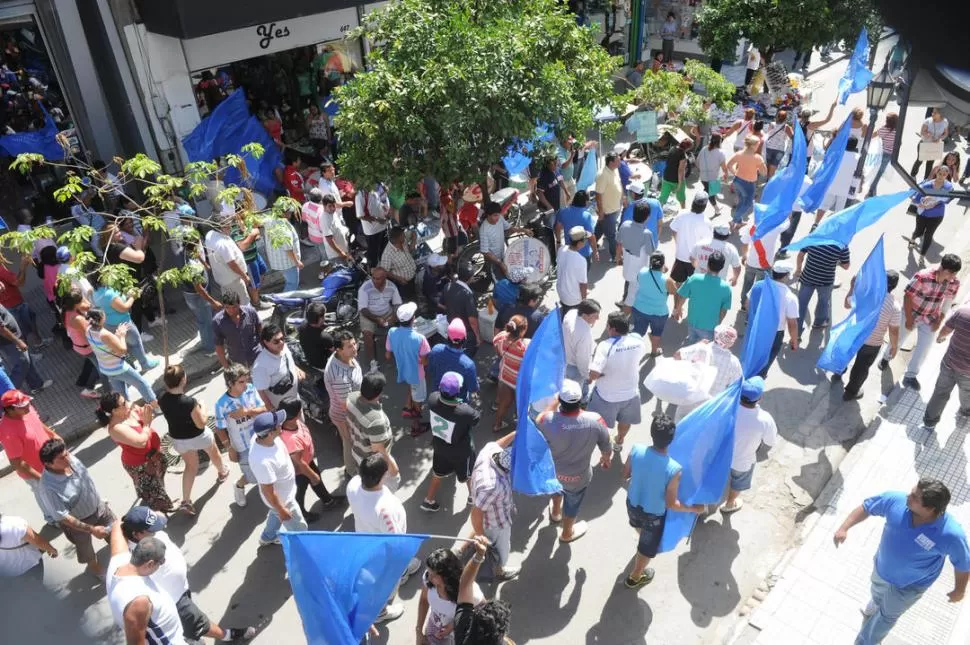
[753, 426]
[754, 58]
[378, 209]
[492, 237]
[375, 511]
[843, 178]
[691, 229]
[272, 465]
[769, 242]
[709, 163]
[269, 369]
[617, 360]
[164, 625]
[732, 259]
[789, 303]
[328, 186]
[16, 556]
[332, 225]
[172, 576]
[577, 338]
[570, 273]
[221, 251]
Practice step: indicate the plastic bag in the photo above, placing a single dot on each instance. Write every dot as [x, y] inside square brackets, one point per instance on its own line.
[680, 382]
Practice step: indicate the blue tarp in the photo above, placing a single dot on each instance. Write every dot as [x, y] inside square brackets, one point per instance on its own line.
[827, 170]
[841, 227]
[43, 141]
[848, 336]
[341, 581]
[857, 75]
[225, 131]
[540, 377]
[782, 190]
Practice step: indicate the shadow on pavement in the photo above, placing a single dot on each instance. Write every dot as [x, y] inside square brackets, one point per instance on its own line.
[704, 573]
[224, 546]
[94, 452]
[265, 589]
[625, 618]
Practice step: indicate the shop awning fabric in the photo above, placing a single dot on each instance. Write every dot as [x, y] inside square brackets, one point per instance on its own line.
[944, 87]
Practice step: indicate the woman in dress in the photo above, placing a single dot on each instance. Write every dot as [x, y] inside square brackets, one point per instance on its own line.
[510, 345]
[130, 427]
[929, 211]
[439, 598]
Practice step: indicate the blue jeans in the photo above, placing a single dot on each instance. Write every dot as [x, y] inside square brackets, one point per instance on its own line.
[882, 168]
[695, 335]
[21, 367]
[26, 319]
[273, 522]
[891, 602]
[823, 306]
[751, 275]
[135, 345]
[203, 317]
[745, 191]
[291, 279]
[608, 225]
[120, 383]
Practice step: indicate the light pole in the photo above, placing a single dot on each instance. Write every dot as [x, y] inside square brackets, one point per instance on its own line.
[878, 93]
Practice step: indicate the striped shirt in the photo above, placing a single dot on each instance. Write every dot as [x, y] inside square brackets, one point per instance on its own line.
[240, 430]
[889, 316]
[398, 261]
[492, 489]
[109, 363]
[340, 380]
[368, 425]
[957, 355]
[281, 238]
[819, 269]
[378, 301]
[888, 137]
[73, 494]
[927, 295]
[512, 354]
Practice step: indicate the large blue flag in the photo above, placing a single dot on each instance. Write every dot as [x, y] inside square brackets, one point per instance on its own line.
[857, 75]
[341, 581]
[846, 338]
[43, 141]
[587, 176]
[782, 190]
[704, 446]
[540, 377]
[839, 228]
[827, 170]
[764, 307]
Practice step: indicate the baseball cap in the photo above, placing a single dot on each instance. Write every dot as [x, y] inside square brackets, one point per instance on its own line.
[142, 518]
[636, 187]
[456, 330]
[570, 392]
[406, 311]
[620, 148]
[451, 383]
[721, 226]
[15, 399]
[265, 422]
[782, 266]
[577, 233]
[753, 388]
[701, 196]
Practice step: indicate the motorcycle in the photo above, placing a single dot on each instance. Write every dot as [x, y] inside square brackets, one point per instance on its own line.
[338, 291]
[316, 401]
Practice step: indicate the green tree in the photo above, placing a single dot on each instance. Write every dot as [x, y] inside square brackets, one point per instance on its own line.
[674, 92]
[452, 83]
[774, 25]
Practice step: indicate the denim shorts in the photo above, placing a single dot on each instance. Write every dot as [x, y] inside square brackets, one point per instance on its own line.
[651, 529]
[571, 501]
[741, 480]
[773, 157]
[256, 270]
[642, 322]
[419, 392]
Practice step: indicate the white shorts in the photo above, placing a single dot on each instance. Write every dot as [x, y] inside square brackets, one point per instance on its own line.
[419, 392]
[833, 202]
[202, 442]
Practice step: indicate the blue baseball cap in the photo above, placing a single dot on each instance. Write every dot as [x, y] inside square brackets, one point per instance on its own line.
[142, 518]
[753, 388]
[265, 422]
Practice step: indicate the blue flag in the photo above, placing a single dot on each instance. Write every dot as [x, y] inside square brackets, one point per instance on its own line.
[782, 190]
[518, 157]
[839, 228]
[587, 176]
[225, 131]
[341, 581]
[43, 141]
[857, 75]
[704, 446]
[540, 377]
[764, 307]
[653, 220]
[847, 337]
[827, 170]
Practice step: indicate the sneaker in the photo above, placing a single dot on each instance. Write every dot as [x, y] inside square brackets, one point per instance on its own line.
[239, 495]
[146, 337]
[928, 427]
[508, 573]
[390, 612]
[374, 367]
[412, 569]
[150, 365]
[849, 396]
[617, 447]
[911, 383]
[430, 507]
[870, 608]
[644, 579]
[158, 322]
[883, 364]
[88, 393]
[263, 542]
[332, 502]
[43, 386]
[836, 378]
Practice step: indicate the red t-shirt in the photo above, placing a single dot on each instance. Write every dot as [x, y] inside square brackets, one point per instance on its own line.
[23, 438]
[10, 296]
[294, 183]
[299, 439]
[468, 216]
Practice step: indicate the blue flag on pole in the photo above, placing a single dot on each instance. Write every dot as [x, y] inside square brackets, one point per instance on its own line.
[341, 581]
[782, 190]
[764, 305]
[841, 227]
[43, 141]
[857, 75]
[540, 377]
[704, 446]
[827, 170]
[847, 337]
[587, 176]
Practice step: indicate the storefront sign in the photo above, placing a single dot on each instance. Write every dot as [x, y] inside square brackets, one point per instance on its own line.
[239, 44]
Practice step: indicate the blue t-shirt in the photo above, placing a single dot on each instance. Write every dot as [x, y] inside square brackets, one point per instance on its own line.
[625, 174]
[505, 292]
[937, 205]
[405, 345]
[651, 292]
[912, 556]
[444, 358]
[708, 295]
[571, 216]
[653, 220]
[103, 298]
[650, 472]
[5, 382]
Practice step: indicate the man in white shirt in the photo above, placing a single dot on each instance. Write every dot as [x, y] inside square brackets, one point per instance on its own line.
[787, 309]
[577, 336]
[491, 239]
[172, 577]
[328, 184]
[615, 370]
[753, 427]
[377, 302]
[758, 256]
[377, 510]
[271, 465]
[373, 208]
[841, 186]
[572, 282]
[21, 548]
[732, 259]
[635, 243]
[226, 260]
[690, 228]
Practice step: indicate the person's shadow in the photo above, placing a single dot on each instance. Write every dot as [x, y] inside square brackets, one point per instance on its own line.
[625, 618]
[704, 572]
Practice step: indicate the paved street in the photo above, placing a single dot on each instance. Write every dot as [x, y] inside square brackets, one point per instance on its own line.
[566, 593]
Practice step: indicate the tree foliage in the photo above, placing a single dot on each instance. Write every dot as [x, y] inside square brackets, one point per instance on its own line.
[674, 92]
[774, 25]
[453, 82]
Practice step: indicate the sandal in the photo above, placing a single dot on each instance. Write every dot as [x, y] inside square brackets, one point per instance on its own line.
[223, 476]
[727, 510]
[411, 413]
[187, 507]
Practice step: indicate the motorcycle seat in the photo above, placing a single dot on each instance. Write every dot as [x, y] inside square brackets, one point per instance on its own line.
[300, 294]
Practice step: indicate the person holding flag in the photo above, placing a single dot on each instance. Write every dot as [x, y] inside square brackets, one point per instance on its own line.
[758, 256]
[889, 320]
[753, 426]
[787, 312]
[493, 505]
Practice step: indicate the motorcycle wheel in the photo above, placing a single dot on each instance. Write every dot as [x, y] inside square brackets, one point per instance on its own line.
[472, 255]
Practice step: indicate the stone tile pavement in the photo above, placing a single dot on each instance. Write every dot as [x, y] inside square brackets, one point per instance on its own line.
[817, 591]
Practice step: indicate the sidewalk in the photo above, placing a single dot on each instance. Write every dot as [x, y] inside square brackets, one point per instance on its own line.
[817, 591]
